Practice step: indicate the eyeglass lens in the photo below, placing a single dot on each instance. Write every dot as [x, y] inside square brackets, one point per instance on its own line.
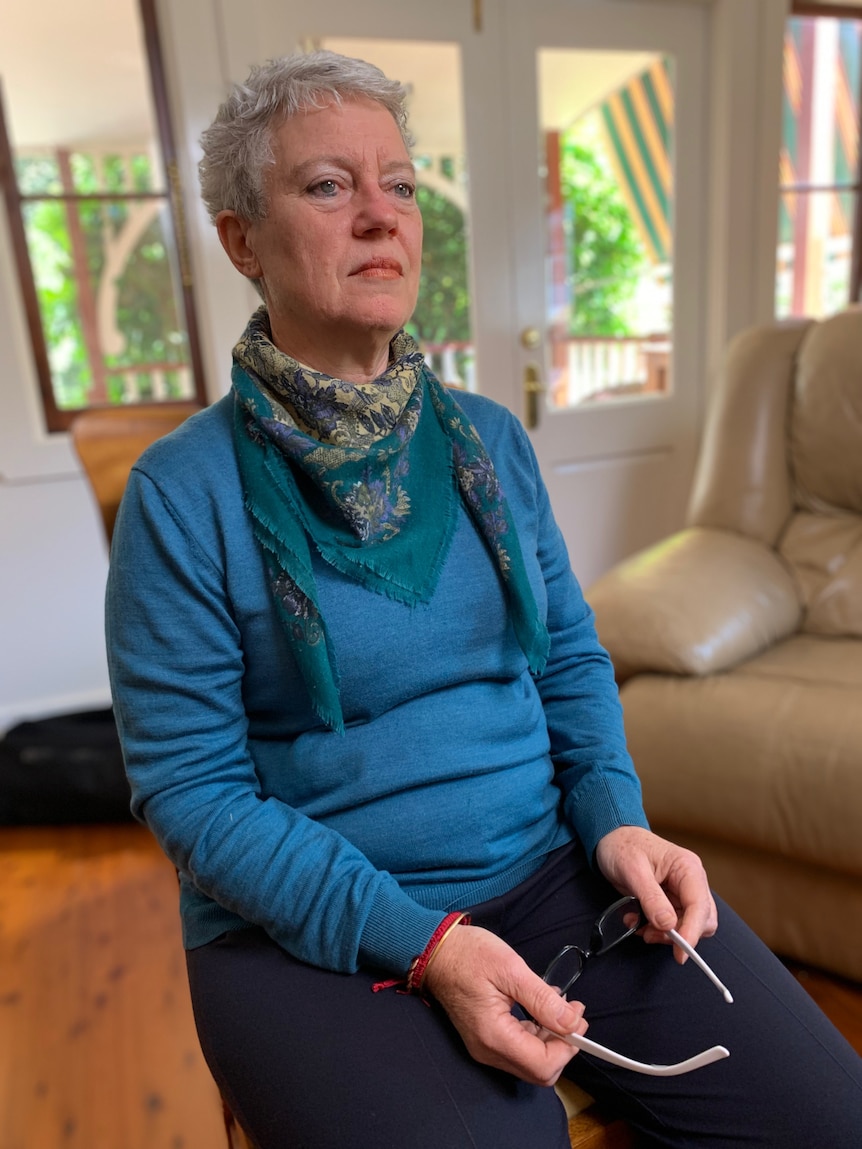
[618, 922]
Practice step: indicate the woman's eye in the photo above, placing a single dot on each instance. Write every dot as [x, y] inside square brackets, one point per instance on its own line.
[404, 190]
[324, 188]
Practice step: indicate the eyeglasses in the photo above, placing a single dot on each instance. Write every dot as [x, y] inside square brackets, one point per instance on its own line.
[617, 923]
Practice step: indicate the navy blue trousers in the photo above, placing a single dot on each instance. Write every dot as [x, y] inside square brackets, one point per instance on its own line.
[309, 1059]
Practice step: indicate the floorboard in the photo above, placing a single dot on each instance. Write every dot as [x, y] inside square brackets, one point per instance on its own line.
[840, 1000]
[97, 1042]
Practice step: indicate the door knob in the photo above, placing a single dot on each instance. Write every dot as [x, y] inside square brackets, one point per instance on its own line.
[531, 337]
[533, 388]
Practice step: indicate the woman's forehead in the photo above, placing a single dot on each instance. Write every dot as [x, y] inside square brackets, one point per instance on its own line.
[353, 125]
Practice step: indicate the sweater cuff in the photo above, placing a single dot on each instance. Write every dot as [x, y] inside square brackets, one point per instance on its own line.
[396, 930]
[598, 808]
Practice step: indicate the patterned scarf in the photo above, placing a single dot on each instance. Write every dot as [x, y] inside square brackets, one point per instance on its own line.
[371, 475]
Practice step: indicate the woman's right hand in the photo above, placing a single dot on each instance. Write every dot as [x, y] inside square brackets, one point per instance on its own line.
[477, 979]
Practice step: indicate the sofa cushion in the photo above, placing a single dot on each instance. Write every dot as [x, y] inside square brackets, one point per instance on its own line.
[767, 756]
[806, 659]
[743, 481]
[799, 910]
[826, 424]
[824, 551]
[699, 602]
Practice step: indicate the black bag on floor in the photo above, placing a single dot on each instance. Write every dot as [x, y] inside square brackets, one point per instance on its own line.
[63, 770]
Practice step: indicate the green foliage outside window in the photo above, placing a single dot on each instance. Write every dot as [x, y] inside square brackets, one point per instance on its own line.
[443, 312]
[607, 256]
[51, 258]
[146, 315]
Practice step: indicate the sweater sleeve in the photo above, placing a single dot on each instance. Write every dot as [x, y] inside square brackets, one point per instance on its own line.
[176, 667]
[593, 767]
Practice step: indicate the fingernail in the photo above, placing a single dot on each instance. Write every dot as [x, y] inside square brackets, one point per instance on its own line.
[571, 1014]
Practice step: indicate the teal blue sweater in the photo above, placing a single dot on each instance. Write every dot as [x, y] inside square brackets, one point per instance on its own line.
[457, 772]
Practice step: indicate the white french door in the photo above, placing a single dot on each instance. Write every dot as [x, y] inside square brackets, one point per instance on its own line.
[495, 85]
[616, 427]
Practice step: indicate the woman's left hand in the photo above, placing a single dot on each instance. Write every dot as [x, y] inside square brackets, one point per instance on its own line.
[669, 882]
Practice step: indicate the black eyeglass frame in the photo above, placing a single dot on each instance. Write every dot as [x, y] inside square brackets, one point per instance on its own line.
[599, 945]
[598, 942]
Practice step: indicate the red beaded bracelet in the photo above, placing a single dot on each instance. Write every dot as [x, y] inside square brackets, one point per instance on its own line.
[419, 965]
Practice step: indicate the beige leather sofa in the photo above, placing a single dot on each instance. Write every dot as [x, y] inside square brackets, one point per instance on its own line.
[738, 644]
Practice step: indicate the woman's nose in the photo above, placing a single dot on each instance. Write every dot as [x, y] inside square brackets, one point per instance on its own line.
[375, 210]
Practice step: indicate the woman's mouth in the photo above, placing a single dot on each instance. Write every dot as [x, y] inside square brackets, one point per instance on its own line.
[379, 268]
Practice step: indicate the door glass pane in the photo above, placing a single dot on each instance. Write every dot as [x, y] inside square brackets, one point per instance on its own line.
[819, 165]
[432, 72]
[606, 124]
[94, 203]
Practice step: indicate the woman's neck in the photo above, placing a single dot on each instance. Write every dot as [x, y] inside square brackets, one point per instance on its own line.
[359, 362]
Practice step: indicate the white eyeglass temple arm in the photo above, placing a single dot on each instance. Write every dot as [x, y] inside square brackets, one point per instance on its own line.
[716, 1053]
[701, 964]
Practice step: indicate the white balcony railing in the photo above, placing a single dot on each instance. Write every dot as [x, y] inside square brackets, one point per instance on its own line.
[586, 369]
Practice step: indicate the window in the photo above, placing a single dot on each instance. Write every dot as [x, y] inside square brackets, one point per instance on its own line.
[819, 264]
[607, 120]
[90, 183]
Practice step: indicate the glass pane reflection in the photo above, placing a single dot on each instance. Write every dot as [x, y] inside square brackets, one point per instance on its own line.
[607, 149]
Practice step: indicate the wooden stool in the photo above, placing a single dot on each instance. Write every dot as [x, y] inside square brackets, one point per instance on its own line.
[590, 1127]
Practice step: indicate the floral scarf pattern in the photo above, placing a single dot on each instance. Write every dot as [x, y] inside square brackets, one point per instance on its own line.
[370, 476]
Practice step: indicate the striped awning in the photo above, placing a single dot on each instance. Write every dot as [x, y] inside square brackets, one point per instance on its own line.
[638, 121]
[795, 165]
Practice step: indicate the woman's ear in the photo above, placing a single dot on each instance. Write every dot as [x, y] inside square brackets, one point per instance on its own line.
[233, 233]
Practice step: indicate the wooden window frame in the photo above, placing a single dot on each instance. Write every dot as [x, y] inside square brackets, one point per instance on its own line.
[839, 12]
[57, 419]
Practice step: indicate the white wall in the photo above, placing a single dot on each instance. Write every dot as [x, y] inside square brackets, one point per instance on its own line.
[53, 556]
[53, 565]
[52, 551]
[746, 44]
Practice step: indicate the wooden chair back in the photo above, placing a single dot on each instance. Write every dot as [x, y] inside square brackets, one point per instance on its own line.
[109, 440]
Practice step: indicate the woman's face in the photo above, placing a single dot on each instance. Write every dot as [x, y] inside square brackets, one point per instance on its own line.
[340, 250]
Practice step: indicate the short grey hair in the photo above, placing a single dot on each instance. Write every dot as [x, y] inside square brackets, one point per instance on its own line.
[237, 146]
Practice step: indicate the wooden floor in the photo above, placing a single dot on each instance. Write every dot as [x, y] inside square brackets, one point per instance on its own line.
[97, 1044]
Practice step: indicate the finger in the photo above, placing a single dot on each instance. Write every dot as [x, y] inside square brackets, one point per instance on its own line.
[698, 921]
[545, 1005]
[635, 860]
[699, 917]
[546, 1035]
[655, 903]
[535, 1057]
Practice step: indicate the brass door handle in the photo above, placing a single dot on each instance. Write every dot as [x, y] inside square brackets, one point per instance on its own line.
[533, 388]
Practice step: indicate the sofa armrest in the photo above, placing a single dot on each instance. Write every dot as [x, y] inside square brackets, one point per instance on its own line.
[696, 603]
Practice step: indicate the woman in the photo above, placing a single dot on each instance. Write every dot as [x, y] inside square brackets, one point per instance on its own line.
[360, 697]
